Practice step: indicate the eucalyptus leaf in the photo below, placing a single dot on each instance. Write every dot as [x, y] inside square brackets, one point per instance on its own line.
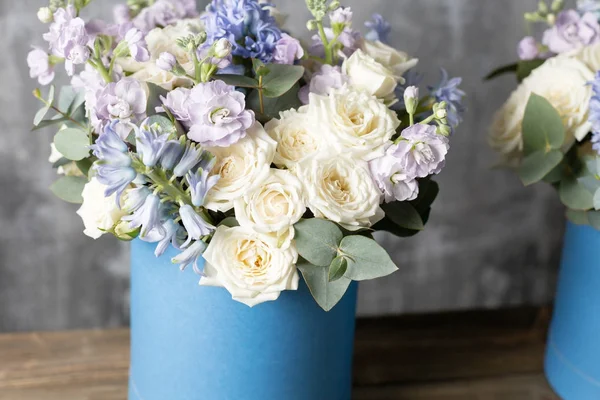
[69, 188]
[596, 200]
[327, 294]
[578, 217]
[63, 161]
[230, 222]
[69, 99]
[39, 116]
[505, 69]
[85, 165]
[72, 143]
[337, 268]
[49, 122]
[538, 165]
[526, 67]
[154, 101]
[574, 195]
[317, 240]
[543, 129]
[404, 214]
[238, 80]
[591, 183]
[366, 259]
[593, 219]
[274, 106]
[164, 123]
[281, 78]
[51, 92]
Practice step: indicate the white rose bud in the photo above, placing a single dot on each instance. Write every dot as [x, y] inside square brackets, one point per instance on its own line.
[166, 61]
[99, 213]
[250, 265]
[369, 76]
[223, 48]
[411, 99]
[45, 15]
[397, 61]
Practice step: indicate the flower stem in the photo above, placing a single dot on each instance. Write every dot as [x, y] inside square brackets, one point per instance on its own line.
[326, 44]
[261, 100]
[101, 69]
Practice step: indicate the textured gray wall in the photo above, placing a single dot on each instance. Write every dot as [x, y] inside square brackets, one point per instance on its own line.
[490, 242]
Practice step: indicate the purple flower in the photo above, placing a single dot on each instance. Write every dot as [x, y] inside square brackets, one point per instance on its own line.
[448, 90]
[194, 224]
[572, 31]
[350, 39]
[68, 38]
[221, 63]
[421, 150]
[147, 217]
[171, 155]
[391, 178]
[191, 255]
[40, 66]
[169, 233]
[135, 198]
[528, 48]
[287, 50]
[177, 104]
[121, 14]
[150, 143]
[247, 24]
[124, 101]
[191, 157]
[200, 183]
[380, 29]
[341, 15]
[137, 45]
[166, 61]
[163, 13]
[327, 79]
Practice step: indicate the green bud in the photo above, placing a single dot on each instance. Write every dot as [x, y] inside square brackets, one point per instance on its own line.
[551, 19]
[123, 232]
[542, 7]
[334, 5]
[312, 25]
[122, 49]
[532, 17]
[444, 130]
[557, 5]
[37, 93]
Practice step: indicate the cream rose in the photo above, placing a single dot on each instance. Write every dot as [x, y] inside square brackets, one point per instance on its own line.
[563, 81]
[297, 136]
[99, 214]
[354, 122]
[371, 77]
[250, 265]
[589, 55]
[397, 61]
[274, 206]
[242, 167]
[342, 190]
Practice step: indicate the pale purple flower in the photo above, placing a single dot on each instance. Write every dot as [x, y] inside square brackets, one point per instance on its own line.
[200, 183]
[594, 116]
[150, 143]
[194, 224]
[171, 155]
[323, 82]
[135, 198]
[220, 63]
[287, 50]
[350, 39]
[342, 15]
[572, 31]
[171, 232]
[379, 29]
[68, 38]
[40, 66]
[166, 61]
[121, 14]
[390, 176]
[422, 151]
[191, 157]
[124, 101]
[191, 255]
[177, 104]
[137, 45]
[163, 13]
[148, 216]
[528, 48]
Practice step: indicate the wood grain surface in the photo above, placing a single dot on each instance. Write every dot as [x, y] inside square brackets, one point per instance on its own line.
[480, 355]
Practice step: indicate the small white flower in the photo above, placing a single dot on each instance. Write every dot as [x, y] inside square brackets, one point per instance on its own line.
[45, 15]
[223, 48]
[397, 61]
[241, 167]
[250, 265]
[371, 77]
[273, 207]
[342, 190]
[99, 214]
[354, 122]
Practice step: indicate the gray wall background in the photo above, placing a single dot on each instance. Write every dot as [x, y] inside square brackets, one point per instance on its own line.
[490, 242]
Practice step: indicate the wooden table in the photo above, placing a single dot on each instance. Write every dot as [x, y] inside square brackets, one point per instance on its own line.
[481, 355]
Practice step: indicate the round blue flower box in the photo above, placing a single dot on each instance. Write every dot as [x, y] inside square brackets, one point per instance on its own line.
[573, 353]
[196, 343]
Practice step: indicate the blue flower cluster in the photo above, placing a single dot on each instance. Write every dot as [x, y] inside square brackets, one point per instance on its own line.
[594, 116]
[247, 24]
[448, 90]
[379, 29]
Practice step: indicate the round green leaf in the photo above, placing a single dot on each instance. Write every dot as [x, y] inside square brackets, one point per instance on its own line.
[327, 294]
[69, 188]
[281, 78]
[338, 268]
[39, 116]
[366, 259]
[543, 129]
[574, 195]
[72, 143]
[317, 240]
[538, 165]
[404, 215]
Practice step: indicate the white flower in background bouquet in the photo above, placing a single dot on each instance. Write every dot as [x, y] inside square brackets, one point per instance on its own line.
[223, 136]
[549, 129]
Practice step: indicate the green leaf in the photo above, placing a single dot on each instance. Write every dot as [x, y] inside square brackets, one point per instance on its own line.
[506, 69]
[72, 143]
[155, 92]
[163, 122]
[238, 80]
[317, 240]
[51, 95]
[273, 106]
[69, 188]
[337, 268]
[543, 128]
[578, 217]
[404, 214]
[61, 162]
[85, 165]
[574, 195]
[555, 175]
[39, 116]
[526, 67]
[593, 219]
[259, 68]
[537, 165]
[69, 99]
[49, 122]
[366, 259]
[428, 192]
[326, 294]
[230, 222]
[281, 78]
[591, 183]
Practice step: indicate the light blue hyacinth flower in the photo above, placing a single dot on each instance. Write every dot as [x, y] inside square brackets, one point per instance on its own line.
[148, 216]
[150, 143]
[380, 29]
[191, 255]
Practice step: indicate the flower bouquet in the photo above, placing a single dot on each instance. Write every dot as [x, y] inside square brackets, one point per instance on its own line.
[549, 130]
[217, 141]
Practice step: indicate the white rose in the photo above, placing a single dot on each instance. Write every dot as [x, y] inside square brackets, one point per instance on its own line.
[355, 122]
[250, 265]
[273, 207]
[151, 73]
[242, 167]
[397, 61]
[589, 55]
[368, 75]
[297, 136]
[99, 214]
[563, 82]
[342, 190]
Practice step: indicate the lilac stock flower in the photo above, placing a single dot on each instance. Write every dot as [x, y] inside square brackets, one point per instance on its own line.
[176, 102]
[150, 143]
[136, 43]
[350, 39]
[287, 50]
[220, 63]
[200, 183]
[528, 48]
[164, 12]
[171, 155]
[422, 151]
[147, 217]
[68, 38]
[166, 61]
[594, 115]
[341, 15]
[40, 66]
[323, 82]
[247, 24]
[572, 31]
[194, 224]
[448, 90]
[379, 29]
[389, 175]
[124, 101]
[191, 255]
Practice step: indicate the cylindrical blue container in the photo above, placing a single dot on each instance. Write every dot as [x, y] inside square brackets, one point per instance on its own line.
[196, 343]
[573, 354]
